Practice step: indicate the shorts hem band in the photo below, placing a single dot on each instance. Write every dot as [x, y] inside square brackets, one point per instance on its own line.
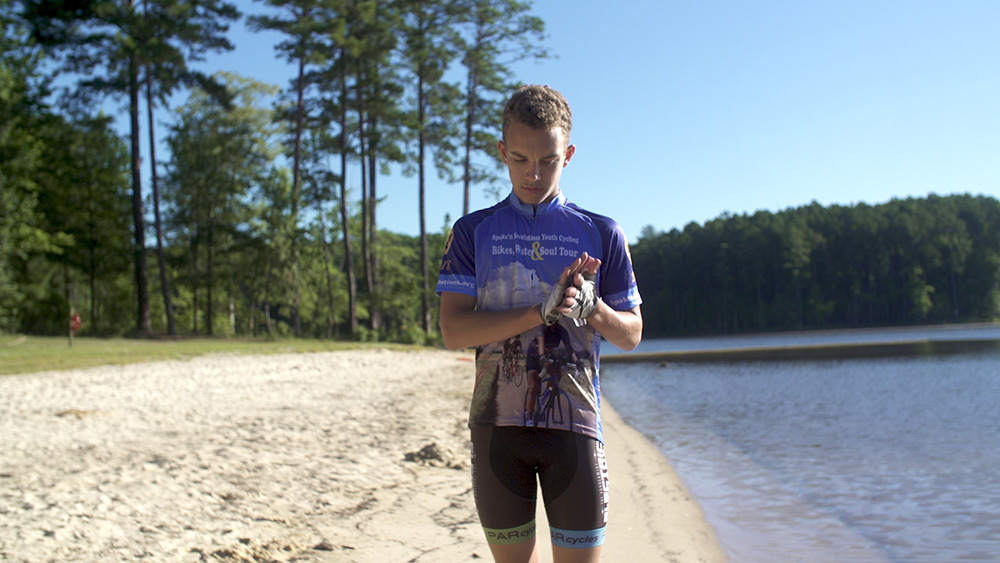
[509, 536]
[578, 539]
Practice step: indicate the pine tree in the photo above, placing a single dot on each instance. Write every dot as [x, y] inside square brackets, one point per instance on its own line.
[431, 45]
[498, 33]
[121, 40]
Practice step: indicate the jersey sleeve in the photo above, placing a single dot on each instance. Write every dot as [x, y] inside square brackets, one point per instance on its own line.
[618, 286]
[458, 265]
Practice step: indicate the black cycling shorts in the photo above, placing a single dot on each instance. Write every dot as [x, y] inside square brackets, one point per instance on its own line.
[571, 469]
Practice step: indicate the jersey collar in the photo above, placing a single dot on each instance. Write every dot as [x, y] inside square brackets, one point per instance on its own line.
[558, 201]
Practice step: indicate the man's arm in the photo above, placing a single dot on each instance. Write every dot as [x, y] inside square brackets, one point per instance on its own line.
[621, 328]
[463, 326]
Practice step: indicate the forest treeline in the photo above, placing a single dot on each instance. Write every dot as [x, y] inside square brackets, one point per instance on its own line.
[908, 261]
[260, 219]
[249, 225]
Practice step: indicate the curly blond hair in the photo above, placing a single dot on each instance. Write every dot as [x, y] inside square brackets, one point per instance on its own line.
[538, 107]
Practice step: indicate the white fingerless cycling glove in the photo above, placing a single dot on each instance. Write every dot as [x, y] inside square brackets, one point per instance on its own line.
[586, 298]
[555, 299]
[586, 301]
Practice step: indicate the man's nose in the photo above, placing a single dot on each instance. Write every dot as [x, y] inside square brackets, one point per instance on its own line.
[532, 172]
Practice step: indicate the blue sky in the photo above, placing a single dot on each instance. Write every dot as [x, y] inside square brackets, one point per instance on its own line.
[687, 110]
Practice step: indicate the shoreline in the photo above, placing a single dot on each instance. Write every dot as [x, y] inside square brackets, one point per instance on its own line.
[314, 458]
[838, 350]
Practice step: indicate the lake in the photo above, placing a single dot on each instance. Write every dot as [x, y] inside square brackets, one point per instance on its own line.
[889, 457]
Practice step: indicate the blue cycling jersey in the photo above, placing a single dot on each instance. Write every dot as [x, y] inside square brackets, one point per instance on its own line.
[510, 255]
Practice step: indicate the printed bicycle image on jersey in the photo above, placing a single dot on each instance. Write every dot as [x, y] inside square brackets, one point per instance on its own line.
[545, 382]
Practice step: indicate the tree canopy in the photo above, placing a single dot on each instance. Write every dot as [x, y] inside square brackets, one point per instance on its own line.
[261, 229]
[907, 261]
[268, 220]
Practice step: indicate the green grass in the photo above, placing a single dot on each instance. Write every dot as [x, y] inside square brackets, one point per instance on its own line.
[29, 354]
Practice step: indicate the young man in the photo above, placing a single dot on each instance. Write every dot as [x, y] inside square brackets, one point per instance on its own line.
[531, 261]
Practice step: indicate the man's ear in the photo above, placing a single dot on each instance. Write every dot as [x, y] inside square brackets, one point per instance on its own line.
[503, 151]
[570, 151]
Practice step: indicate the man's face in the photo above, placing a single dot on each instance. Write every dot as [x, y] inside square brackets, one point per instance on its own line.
[535, 159]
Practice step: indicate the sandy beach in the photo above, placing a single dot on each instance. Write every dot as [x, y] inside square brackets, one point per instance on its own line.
[357, 456]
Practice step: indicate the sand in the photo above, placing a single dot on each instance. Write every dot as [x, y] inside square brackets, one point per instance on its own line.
[329, 457]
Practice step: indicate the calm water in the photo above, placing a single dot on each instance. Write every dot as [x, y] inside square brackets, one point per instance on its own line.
[981, 331]
[875, 459]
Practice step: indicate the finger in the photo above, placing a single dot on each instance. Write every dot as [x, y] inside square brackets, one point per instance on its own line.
[591, 265]
[565, 304]
[578, 266]
[569, 272]
[588, 264]
[569, 297]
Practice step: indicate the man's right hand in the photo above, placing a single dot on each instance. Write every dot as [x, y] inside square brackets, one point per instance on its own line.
[574, 294]
[549, 311]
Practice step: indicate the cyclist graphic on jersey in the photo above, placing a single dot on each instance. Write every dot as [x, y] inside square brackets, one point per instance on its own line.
[510, 368]
[550, 359]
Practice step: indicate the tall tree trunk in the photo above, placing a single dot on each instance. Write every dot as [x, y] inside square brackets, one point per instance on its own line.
[209, 282]
[267, 319]
[422, 141]
[470, 117]
[268, 276]
[143, 326]
[366, 255]
[332, 309]
[71, 300]
[232, 312]
[376, 312]
[366, 251]
[196, 280]
[296, 196]
[161, 257]
[352, 306]
[92, 256]
[92, 284]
